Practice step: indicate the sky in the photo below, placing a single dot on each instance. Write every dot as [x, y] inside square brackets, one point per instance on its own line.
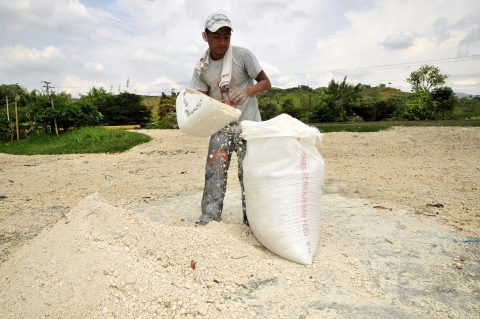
[153, 45]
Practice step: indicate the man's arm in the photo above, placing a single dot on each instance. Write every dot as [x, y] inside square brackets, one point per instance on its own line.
[263, 85]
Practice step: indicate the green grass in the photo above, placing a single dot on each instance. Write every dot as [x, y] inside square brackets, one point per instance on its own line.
[382, 126]
[82, 141]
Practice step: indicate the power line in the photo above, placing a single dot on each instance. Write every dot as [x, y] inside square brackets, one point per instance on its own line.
[165, 84]
[377, 67]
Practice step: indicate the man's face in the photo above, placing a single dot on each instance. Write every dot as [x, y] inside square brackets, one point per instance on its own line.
[218, 42]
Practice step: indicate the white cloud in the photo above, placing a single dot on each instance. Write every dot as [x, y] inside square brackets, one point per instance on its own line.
[301, 42]
[467, 82]
[269, 69]
[94, 66]
[156, 87]
[400, 39]
[74, 85]
[23, 59]
[47, 14]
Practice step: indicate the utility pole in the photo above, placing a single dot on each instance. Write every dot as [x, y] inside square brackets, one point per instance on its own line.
[8, 114]
[47, 86]
[16, 116]
[54, 117]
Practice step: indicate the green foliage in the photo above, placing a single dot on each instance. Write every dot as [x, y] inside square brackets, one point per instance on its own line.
[338, 102]
[375, 109]
[68, 115]
[381, 126]
[10, 91]
[8, 130]
[343, 97]
[167, 123]
[357, 127]
[426, 78]
[291, 106]
[269, 108]
[6, 133]
[166, 105]
[396, 103]
[430, 100]
[96, 95]
[324, 109]
[85, 140]
[467, 108]
[124, 109]
[40, 112]
[420, 107]
[446, 101]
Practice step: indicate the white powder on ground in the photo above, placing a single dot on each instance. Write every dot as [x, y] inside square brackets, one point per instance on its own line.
[101, 259]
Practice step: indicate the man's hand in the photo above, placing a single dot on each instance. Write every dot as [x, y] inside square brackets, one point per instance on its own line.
[239, 95]
[262, 86]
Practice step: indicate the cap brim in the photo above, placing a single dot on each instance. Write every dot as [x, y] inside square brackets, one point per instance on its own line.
[217, 26]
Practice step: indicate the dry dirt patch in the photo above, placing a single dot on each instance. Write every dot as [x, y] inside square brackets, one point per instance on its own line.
[112, 236]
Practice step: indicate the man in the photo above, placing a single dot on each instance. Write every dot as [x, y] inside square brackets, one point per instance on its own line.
[226, 73]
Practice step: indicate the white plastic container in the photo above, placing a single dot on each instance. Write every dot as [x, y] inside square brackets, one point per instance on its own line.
[283, 174]
[200, 115]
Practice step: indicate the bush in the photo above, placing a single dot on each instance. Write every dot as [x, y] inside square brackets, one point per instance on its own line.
[166, 106]
[67, 114]
[167, 123]
[291, 106]
[446, 101]
[268, 109]
[374, 110]
[420, 107]
[325, 111]
[124, 109]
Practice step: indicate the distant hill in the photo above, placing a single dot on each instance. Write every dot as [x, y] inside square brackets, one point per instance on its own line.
[460, 94]
[383, 92]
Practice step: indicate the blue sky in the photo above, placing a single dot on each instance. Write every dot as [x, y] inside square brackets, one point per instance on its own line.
[77, 44]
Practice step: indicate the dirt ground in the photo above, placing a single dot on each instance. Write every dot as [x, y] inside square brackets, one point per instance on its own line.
[113, 236]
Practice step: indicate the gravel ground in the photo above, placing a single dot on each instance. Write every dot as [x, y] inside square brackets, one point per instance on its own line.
[113, 236]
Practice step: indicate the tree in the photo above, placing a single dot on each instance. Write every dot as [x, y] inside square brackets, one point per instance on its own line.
[426, 78]
[40, 112]
[446, 100]
[420, 107]
[96, 95]
[291, 106]
[343, 96]
[124, 109]
[268, 108]
[10, 91]
[67, 114]
[430, 99]
[166, 106]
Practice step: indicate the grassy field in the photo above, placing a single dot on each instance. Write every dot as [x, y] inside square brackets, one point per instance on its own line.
[82, 141]
[381, 126]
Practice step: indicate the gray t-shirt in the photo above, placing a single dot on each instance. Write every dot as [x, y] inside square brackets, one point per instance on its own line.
[245, 68]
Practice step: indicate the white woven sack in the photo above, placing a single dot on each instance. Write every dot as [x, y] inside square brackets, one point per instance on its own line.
[200, 115]
[283, 174]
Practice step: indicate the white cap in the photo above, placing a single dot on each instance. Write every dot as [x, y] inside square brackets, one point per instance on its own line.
[216, 21]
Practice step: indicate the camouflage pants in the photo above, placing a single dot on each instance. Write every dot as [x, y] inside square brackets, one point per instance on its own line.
[216, 170]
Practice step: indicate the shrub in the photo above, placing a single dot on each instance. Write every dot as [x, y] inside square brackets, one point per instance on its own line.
[124, 109]
[165, 106]
[268, 109]
[420, 107]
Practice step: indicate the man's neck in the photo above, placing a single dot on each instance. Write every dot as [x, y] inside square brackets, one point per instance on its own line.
[216, 57]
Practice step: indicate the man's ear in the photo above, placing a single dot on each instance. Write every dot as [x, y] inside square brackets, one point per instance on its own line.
[204, 36]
